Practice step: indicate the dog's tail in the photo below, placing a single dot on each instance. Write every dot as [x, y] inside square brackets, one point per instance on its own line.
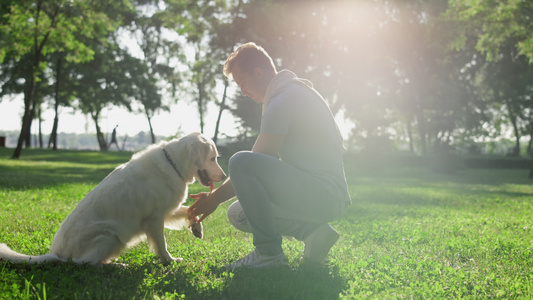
[7, 254]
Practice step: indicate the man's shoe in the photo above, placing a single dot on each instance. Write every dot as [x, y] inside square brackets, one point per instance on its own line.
[256, 260]
[318, 244]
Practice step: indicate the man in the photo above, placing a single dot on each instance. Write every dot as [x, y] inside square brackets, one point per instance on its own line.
[292, 183]
[114, 139]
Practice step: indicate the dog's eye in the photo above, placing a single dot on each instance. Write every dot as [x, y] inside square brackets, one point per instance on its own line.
[213, 158]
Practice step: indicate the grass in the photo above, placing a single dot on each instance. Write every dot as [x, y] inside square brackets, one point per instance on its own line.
[410, 233]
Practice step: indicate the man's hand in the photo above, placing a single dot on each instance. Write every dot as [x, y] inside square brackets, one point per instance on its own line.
[203, 206]
[207, 203]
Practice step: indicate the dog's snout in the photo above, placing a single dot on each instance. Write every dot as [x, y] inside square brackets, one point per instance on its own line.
[223, 177]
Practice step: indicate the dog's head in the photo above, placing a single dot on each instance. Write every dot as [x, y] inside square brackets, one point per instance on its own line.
[203, 153]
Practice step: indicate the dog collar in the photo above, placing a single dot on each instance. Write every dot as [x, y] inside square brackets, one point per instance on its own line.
[172, 163]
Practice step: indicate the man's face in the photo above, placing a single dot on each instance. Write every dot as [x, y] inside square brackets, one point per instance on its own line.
[251, 84]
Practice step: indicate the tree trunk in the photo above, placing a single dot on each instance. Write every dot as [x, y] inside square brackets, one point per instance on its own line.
[40, 127]
[26, 118]
[99, 135]
[222, 107]
[26, 123]
[410, 135]
[152, 135]
[53, 135]
[529, 144]
[27, 134]
[201, 106]
[531, 169]
[513, 119]
[422, 129]
[52, 142]
[530, 153]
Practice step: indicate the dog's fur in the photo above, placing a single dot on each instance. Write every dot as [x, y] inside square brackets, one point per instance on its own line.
[138, 199]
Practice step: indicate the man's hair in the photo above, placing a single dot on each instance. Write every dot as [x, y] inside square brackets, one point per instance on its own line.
[248, 56]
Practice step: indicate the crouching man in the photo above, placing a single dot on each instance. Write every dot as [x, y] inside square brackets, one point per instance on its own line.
[292, 183]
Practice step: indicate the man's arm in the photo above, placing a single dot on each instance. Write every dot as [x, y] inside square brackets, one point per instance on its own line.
[224, 192]
[268, 143]
[207, 203]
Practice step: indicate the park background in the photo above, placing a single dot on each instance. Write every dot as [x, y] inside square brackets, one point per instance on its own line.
[414, 77]
[433, 98]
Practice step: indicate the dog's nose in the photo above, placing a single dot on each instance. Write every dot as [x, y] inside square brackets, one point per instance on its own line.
[223, 177]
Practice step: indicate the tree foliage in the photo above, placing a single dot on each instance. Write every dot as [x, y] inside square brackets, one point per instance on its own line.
[493, 24]
[37, 28]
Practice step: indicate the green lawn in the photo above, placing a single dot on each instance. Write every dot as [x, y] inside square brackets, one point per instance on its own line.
[410, 233]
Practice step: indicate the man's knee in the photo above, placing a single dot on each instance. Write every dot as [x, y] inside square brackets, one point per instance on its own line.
[238, 160]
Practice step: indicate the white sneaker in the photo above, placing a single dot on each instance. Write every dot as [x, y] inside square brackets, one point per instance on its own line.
[256, 260]
[318, 244]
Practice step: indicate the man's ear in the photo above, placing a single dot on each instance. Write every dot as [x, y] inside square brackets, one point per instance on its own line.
[258, 73]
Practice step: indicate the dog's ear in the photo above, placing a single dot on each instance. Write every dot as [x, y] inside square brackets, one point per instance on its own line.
[198, 150]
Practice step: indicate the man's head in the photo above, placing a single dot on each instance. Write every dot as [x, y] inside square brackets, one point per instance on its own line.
[252, 69]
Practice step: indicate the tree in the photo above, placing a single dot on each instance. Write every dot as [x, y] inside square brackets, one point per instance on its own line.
[104, 81]
[196, 21]
[494, 25]
[361, 56]
[61, 97]
[39, 27]
[507, 83]
[157, 72]
[144, 89]
[224, 37]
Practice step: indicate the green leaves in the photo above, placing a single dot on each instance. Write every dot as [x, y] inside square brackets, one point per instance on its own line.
[39, 28]
[493, 23]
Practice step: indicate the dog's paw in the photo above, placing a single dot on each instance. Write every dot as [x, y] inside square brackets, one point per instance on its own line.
[196, 229]
[171, 260]
[177, 259]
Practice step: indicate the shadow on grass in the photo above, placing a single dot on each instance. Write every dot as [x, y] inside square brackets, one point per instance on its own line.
[74, 281]
[39, 168]
[420, 187]
[452, 197]
[43, 176]
[136, 282]
[73, 156]
[303, 282]
[68, 280]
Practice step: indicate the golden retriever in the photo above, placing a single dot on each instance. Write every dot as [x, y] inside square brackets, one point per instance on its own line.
[138, 199]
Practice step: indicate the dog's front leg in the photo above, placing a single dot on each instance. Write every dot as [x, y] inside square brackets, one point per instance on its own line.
[154, 229]
[194, 225]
